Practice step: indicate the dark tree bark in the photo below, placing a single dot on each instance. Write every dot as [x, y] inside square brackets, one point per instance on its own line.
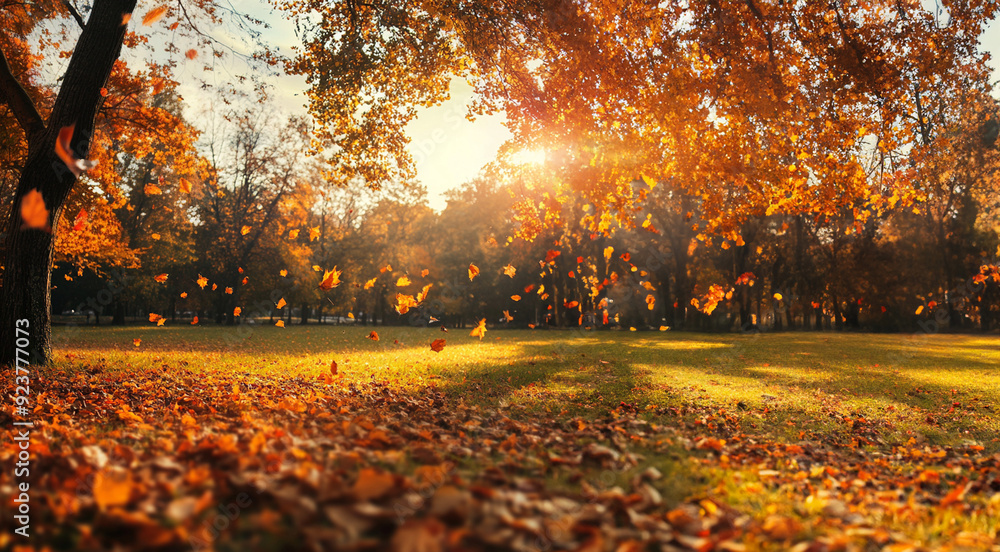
[28, 252]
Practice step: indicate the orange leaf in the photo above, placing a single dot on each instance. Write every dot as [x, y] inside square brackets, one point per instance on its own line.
[515, 297]
[507, 316]
[185, 186]
[229, 291]
[480, 330]
[184, 295]
[33, 211]
[126, 17]
[281, 303]
[202, 281]
[237, 311]
[154, 15]
[551, 255]
[403, 281]
[152, 189]
[422, 296]
[437, 345]
[292, 234]
[80, 220]
[245, 230]
[373, 483]
[283, 273]
[112, 488]
[333, 367]
[384, 269]
[331, 279]
[509, 271]
[571, 304]
[65, 153]
[473, 271]
[313, 233]
[370, 283]
[280, 323]
[161, 277]
[153, 317]
[650, 302]
[136, 342]
[192, 53]
[424, 273]
[194, 320]
[245, 280]
[373, 336]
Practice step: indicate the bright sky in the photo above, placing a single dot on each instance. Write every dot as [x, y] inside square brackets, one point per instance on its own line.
[448, 148]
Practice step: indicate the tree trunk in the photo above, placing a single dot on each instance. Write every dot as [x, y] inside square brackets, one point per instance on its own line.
[28, 253]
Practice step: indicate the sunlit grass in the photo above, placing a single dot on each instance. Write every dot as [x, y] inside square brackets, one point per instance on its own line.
[943, 389]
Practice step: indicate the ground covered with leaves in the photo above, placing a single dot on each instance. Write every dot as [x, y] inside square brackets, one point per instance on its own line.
[212, 438]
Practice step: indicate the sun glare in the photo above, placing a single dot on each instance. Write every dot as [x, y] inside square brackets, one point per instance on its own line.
[529, 157]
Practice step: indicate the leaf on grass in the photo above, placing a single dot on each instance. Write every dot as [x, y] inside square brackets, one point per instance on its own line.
[373, 336]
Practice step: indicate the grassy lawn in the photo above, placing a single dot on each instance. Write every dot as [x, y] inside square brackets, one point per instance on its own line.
[732, 442]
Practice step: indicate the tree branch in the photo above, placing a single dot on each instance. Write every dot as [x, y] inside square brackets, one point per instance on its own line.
[17, 99]
[73, 12]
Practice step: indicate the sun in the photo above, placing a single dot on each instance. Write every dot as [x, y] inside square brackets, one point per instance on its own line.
[534, 156]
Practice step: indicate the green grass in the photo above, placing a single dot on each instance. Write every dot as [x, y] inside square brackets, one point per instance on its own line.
[934, 389]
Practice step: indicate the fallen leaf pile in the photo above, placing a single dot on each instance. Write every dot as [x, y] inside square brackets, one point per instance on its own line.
[172, 459]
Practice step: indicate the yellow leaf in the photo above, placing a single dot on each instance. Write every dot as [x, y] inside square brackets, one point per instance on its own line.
[509, 271]
[480, 330]
[473, 271]
[281, 303]
[245, 230]
[283, 273]
[778, 296]
[237, 311]
[370, 283]
[313, 233]
[280, 323]
[331, 279]
[202, 281]
[649, 181]
[920, 309]
[403, 281]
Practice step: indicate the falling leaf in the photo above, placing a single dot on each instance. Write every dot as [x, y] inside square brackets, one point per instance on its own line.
[350, 315]
[154, 15]
[507, 317]
[281, 303]
[229, 291]
[422, 296]
[155, 236]
[571, 304]
[237, 311]
[608, 252]
[244, 280]
[551, 255]
[184, 186]
[184, 295]
[162, 278]
[153, 317]
[317, 268]
[192, 53]
[136, 342]
[919, 310]
[370, 283]
[331, 279]
[202, 281]
[373, 336]
[292, 234]
[126, 17]
[33, 211]
[313, 233]
[626, 256]
[480, 330]
[509, 271]
[384, 269]
[280, 323]
[245, 230]
[473, 271]
[777, 296]
[424, 273]
[649, 181]
[65, 152]
[404, 303]
[194, 320]
[283, 273]
[239, 269]
[515, 297]
[650, 302]
[437, 345]
[403, 281]
[152, 189]
[80, 220]
[215, 287]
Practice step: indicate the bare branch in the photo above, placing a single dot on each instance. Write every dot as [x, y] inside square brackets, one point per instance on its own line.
[17, 99]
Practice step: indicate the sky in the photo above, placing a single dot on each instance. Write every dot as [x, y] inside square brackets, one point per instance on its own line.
[450, 150]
